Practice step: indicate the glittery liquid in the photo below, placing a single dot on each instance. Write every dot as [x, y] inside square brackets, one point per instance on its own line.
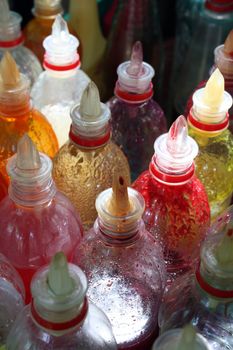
[83, 173]
[12, 129]
[178, 217]
[31, 236]
[135, 128]
[214, 167]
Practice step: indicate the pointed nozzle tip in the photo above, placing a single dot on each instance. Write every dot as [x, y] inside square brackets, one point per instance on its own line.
[119, 204]
[10, 76]
[136, 61]
[4, 10]
[214, 89]
[188, 338]
[28, 158]
[228, 45]
[224, 250]
[59, 27]
[90, 106]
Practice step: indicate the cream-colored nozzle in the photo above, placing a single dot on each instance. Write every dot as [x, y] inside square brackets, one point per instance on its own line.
[119, 204]
[4, 11]
[214, 90]
[224, 250]
[28, 157]
[188, 339]
[10, 76]
[228, 45]
[59, 279]
[90, 107]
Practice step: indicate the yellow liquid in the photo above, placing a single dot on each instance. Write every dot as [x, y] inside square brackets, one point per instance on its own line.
[83, 173]
[214, 167]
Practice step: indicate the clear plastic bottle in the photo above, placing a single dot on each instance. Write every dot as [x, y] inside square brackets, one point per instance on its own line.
[11, 39]
[177, 211]
[124, 266]
[208, 125]
[85, 165]
[36, 220]
[60, 316]
[213, 24]
[137, 120]
[17, 115]
[61, 85]
[182, 339]
[207, 294]
[36, 30]
[11, 297]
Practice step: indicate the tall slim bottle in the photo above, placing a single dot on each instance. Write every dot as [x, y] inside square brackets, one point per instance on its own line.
[85, 165]
[136, 119]
[36, 30]
[17, 115]
[62, 83]
[177, 211]
[12, 39]
[214, 23]
[36, 220]
[124, 266]
[60, 316]
[208, 124]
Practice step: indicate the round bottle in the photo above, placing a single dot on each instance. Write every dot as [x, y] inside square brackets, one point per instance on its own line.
[12, 296]
[12, 39]
[60, 316]
[39, 27]
[208, 122]
[207, 295]
[61, 85]
[85, 165]
[124, 266]
[177, 212]
[136, 119]
[36, 220]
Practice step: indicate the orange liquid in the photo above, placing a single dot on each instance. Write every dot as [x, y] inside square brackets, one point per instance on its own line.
[36, 31]
[12, 128]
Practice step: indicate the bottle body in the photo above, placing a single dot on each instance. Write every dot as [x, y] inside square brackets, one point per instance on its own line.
[32, 235]
[214, 167]
[27, 62]
[178, 217]
[211, 316]
[135, 128]
[210, 31]
[54, 94]
[11, 297]
[83, 173]
[94, 333]
[13, 127]
[125, 283]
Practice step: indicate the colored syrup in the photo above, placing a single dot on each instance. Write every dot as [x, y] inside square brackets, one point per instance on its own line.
[178, 217]
[214, 168]
[130, 307]
[83, 173]
[135, 128]
[13, 128]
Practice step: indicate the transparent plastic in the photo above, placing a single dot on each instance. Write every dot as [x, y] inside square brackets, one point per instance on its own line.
[58, 297]
[201, 304]
[11, 297]
[214, 163]
[136, 124]
[210, 31]
[82, 172]
[124, 267]
[56, 91]
[182, 339]
[17, 116]
[10, 32]
[177, 212]
[36, 220]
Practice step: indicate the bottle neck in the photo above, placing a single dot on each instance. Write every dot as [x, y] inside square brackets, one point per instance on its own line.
[47, 14]
[206, 127]
[131, 97]
[59, 323]
[219, 6]
[15, 106]
[61, 71]
[61, 74]
[18, 40]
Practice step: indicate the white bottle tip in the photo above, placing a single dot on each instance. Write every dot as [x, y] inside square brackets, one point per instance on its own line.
[28, 157]
[90, 107]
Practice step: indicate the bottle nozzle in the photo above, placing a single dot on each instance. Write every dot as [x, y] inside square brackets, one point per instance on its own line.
[177, 135]
[10, 76]
[28, 157]
[187, 339]
[59, 279]
[90, 107]
[135, 67]
[60, 29]
[214, 90]
[228, 45]
[119, 204]
[4, 11]
[224, 250]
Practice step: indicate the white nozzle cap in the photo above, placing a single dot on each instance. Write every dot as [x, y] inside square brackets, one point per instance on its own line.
[61, 46]
[9, 23]
[175, 150]
[135, 75]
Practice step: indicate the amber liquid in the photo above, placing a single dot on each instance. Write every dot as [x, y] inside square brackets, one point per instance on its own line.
[14, 127]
